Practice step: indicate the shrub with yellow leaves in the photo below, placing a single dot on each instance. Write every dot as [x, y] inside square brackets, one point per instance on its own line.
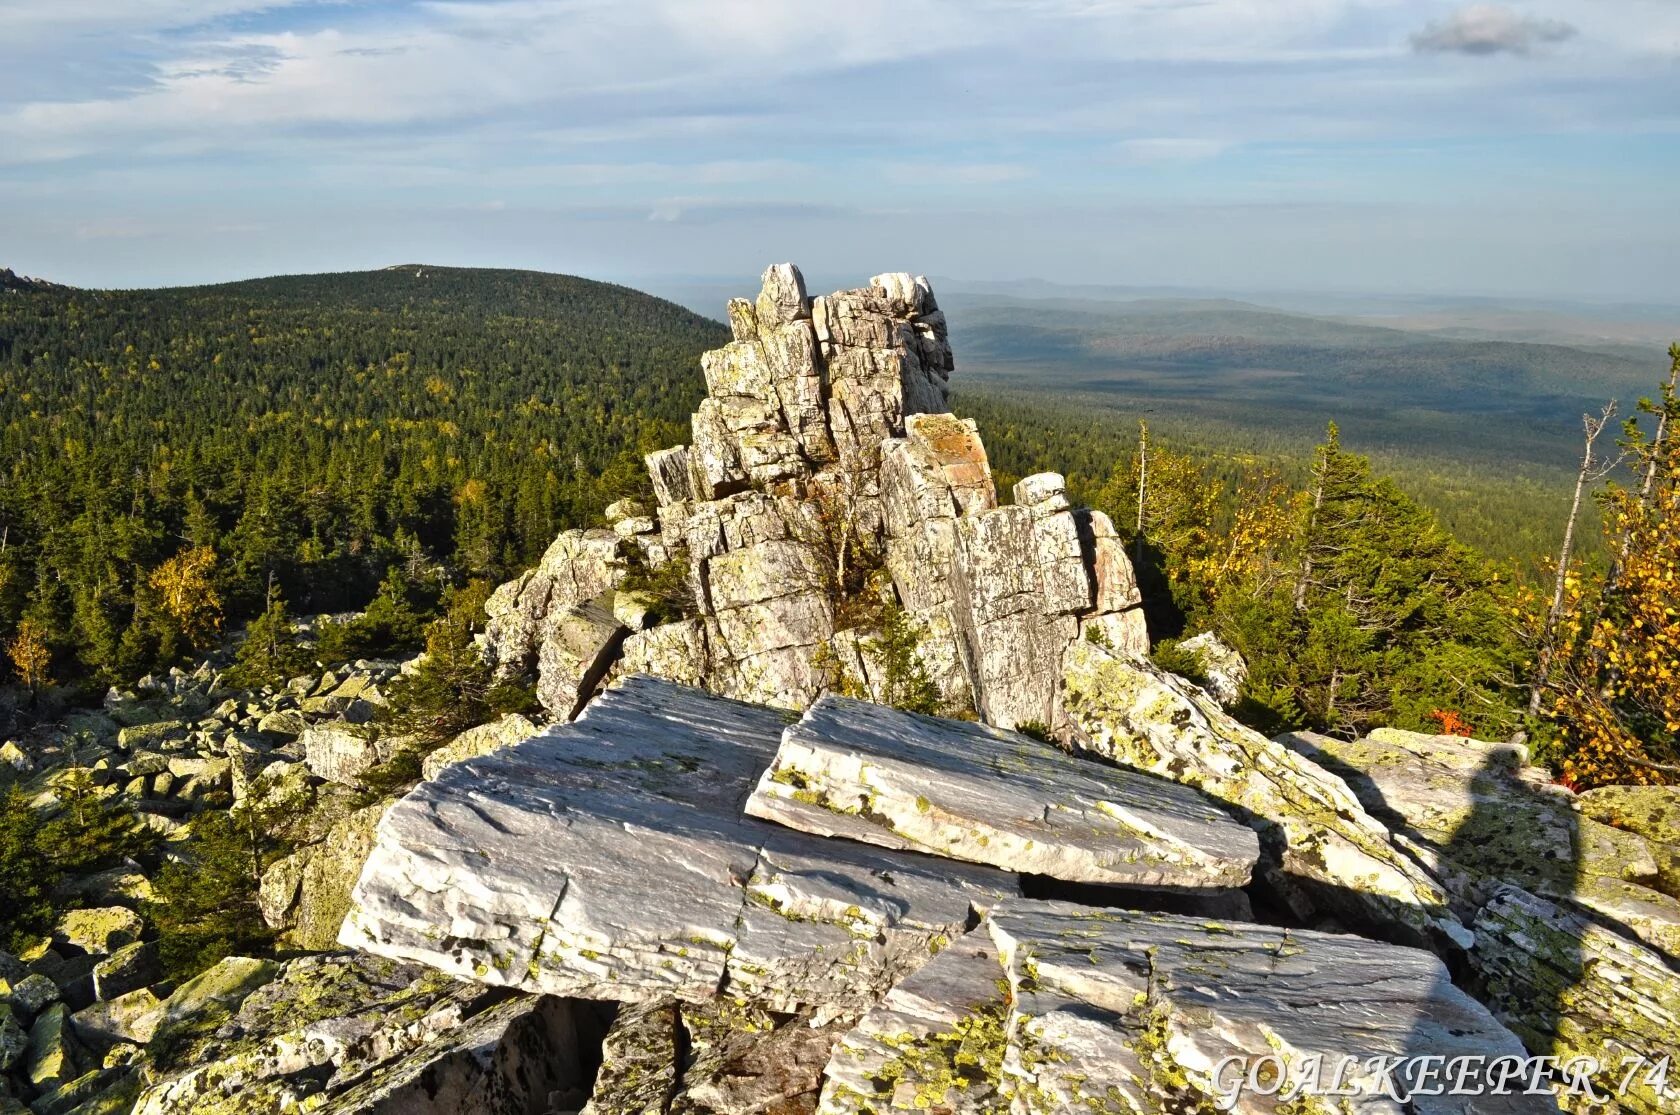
[1615, 689]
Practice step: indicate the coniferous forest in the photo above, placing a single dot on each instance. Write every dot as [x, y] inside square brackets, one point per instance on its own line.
[179, 462]
[168, 450]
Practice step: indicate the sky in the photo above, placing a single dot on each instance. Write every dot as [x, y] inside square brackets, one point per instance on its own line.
[1526, 148]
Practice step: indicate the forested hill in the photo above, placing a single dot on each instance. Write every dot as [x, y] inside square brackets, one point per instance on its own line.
[318, 429]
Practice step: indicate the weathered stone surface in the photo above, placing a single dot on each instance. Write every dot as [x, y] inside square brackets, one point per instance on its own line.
[482, 740]
[307, 893]
[341, 752]
[969, 792]
[1652, 812]
[1111, 1010]
[1480, 818]
[641, 1062]
[342, 1034]
[1325, 852]
[579, 643]
[1571, 987]
[579, 566]
[131, 1017]
[1223, 669]
[54, 1056]
[101, 930]
[747, 1062]
[936, 1042]
[14, 1039]
[31, 994]
[208, 997]
[673, 651]
[127, 969]
[609, 859]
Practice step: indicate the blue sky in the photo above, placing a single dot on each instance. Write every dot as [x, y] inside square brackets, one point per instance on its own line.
[1531, 147]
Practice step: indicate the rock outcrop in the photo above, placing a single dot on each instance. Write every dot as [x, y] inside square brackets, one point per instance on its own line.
[1325, 854]
[984, 795]
[823, 476]
[1575, 938]
[1054, 1007]
[610, 858]
[613, 858]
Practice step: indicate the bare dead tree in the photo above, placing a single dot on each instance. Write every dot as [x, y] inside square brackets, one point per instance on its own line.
[1653, 457]
[1592, 470]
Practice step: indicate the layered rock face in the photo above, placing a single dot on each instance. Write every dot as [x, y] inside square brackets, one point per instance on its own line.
[822, 458]
[823, 914]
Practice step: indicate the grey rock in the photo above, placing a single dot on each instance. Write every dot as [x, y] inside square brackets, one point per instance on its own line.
[131, 1017]
[31, 995]
[609, 859]
[980, 794]
[342, 753]
[307, 893]
[347, 1034]
[129, 968]
[1222, 667]
[1332, 856]
[54, 1056]
[14, 1039]
[579, 643]
[482, 740]
[1115, 1010]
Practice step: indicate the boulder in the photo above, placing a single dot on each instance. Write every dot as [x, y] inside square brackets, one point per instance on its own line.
[609, 859]
[579, 643]
[54, 1056]
[151, 735]
[307, 893]
[1478, 816]
[1324, 853]
[482, 740]
[1650, 812]
[341, 752]
[14, 1039]
[31, 994]
[641, 1061]
[101, 930]
[1223, 670]
[131, 1017]
[129, 968]
[204, 1001]
[1571, 987]
[969, 792]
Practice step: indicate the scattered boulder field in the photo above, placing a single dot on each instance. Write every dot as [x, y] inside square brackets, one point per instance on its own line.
[726, 878]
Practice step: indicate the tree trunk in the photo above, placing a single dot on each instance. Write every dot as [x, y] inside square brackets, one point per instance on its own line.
[1143, 481]
[1543, 668]
[1305, 578]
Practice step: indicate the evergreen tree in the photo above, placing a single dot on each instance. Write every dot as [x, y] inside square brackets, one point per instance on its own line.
[271, 652]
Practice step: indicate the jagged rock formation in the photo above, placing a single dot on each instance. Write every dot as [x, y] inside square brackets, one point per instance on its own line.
[610, 858]
[821, 452]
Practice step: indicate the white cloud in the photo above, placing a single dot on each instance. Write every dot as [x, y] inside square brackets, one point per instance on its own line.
[1490, 29]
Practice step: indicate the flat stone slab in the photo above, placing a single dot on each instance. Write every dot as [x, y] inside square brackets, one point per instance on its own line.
[1056, 1007]
[609, 858]
[971, 792]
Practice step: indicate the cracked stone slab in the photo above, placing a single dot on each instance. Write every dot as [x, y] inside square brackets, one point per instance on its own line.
[609, 858]
[974, 793]
[1052, 1007]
